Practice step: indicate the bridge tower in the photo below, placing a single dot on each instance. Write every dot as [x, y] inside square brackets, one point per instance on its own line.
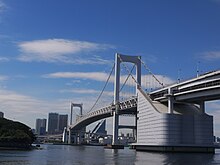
[118, 60]
[71, 113]
[76, 136]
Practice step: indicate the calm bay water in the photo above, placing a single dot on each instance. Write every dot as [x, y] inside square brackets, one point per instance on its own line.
[93, 155]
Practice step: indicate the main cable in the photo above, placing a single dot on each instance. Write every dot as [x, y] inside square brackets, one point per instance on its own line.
[145, 66]
[103, 88]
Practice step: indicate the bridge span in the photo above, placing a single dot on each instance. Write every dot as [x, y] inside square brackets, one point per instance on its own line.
[203, 88]
[125, 107]
[172, 118]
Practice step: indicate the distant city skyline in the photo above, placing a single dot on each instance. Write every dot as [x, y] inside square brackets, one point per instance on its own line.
[53, 123]
[57, 122]
[40, 127]
[63, 122]
[56, 52]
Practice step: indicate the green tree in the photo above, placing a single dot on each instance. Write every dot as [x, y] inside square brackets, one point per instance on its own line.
[15, 132]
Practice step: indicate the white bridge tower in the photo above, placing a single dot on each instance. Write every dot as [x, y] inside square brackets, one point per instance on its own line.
[118, 60]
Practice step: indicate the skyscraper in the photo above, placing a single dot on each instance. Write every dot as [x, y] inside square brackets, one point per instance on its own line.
[62, 122]
[1, 115]
[53, 123]
[56, 123]
[41, 126]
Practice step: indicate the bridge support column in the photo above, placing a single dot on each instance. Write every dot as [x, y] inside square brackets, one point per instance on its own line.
[72, 138]
[115, 125]
[74, 141]
[79, 138]
[170, 101]
[135, 130]
[202, 106]
[69, 136]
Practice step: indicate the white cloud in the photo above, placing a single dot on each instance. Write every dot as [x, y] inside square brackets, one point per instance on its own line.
[90, 60]
[26, 109]
[86, 91]
[56, 46]
[73, 82]
[61, 50]
[80, 91]
[2, 6]
[76, 81]
[147, 80]
[3, 78]
[211, 55]
[97, 76]
[4, 59]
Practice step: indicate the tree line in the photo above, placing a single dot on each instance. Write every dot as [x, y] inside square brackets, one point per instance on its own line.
[15, 133]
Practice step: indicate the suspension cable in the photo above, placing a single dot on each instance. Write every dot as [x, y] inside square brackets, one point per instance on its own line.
[145, 66]
[103, 88]
[127, 78]
[129, 72]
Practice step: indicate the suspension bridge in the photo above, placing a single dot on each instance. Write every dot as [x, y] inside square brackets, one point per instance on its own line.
[171, 118]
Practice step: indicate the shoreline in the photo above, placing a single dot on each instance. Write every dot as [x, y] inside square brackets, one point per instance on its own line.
[16, 148]
[19, 148]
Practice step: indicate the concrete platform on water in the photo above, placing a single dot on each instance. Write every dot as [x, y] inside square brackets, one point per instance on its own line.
[189, 149]
[110, 146]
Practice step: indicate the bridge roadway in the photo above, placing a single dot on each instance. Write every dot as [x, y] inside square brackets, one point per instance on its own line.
[203, 88]
[125, 107]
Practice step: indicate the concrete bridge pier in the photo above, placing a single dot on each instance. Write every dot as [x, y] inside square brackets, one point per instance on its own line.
[76, 137]
[72, 139]
[170, 101]
[135, 130]
[115, 125]
[81, 136]
[202, 106]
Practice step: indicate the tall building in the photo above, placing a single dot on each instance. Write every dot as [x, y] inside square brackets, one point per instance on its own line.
[56, 123]
[1, 115]
[63, 119]
[53, 123]
[41, 126]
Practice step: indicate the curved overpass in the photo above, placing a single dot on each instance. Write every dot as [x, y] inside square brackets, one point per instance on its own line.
[125, 107]
[203, 88]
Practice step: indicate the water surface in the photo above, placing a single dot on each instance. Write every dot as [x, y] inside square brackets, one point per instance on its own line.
[93, 155]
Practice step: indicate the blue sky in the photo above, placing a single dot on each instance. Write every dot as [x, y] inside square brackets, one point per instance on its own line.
[53, 52]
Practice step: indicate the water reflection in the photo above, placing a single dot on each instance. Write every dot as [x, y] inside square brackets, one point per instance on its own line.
[154, 158]
[190, 158]
[89, 155]
[119, 156]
